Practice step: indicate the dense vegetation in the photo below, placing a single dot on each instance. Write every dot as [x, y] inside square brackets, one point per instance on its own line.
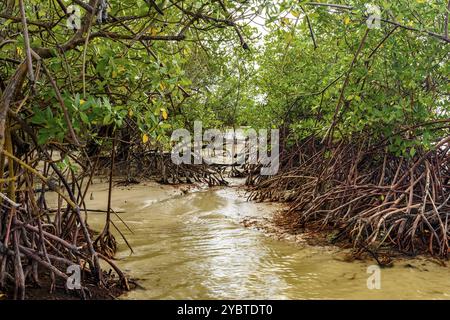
[367, 118]
[364, 114]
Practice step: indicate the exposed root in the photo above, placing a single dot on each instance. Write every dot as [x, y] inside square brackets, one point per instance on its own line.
[35, 240]
[373, 198]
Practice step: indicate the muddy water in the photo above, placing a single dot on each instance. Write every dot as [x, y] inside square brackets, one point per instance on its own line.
[194, 246]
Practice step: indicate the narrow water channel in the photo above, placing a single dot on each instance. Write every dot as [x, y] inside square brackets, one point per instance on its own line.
[194, 246]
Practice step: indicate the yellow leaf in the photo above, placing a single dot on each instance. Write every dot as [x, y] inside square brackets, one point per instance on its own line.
[346, 20]
[162, 86]
[164, 114]
[153, 31]
[130, 113]
[295, 13]
[19, 51]
[285, 21]
[113, 74]
[82, 101]
[145, 138]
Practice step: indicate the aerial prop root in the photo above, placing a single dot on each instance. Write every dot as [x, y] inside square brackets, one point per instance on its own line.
[376, 200]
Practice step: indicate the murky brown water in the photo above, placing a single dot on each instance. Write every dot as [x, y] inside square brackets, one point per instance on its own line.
[193, 246]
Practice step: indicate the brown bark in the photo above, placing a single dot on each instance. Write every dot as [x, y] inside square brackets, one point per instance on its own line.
[12, 89]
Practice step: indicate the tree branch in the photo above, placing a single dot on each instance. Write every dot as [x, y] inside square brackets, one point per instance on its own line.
[27, 42]
[46, 53]
[329, 133]
[446, 21]
[11, 90]
[310, 27]
[350, 8]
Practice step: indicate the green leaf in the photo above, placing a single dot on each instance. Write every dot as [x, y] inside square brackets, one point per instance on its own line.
[107, 119]
[84, 117]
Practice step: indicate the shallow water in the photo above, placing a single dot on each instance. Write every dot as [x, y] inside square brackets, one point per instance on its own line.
[194, 246]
